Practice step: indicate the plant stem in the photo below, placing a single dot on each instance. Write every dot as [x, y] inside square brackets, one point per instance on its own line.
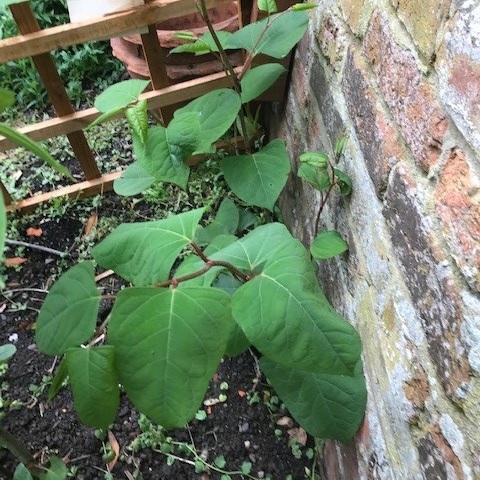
[227, 66]
[323, 201]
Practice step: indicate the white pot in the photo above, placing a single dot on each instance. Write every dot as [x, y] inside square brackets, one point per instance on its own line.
[82, 10]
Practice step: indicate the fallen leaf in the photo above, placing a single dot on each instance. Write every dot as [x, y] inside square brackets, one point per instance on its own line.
[211, 401]
[115, 447]
[14, 261]
[285, 422]
[299, 434]
[34, 232]
[91, 224]
[241, 393]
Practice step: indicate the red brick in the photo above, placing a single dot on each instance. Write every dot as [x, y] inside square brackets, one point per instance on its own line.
[412, 100]
[458, 208]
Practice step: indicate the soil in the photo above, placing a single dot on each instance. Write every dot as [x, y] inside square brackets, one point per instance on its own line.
[240, 429]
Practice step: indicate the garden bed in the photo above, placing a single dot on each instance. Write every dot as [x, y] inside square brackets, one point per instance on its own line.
[245, 426]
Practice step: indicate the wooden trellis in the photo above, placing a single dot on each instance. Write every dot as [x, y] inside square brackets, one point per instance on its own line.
[37, 44]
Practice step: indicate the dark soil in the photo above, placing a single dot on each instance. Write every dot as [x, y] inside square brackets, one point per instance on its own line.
[238, 429]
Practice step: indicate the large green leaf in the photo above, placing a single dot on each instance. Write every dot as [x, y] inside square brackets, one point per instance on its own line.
[168, 345]
[21, 472]
[94, 384]
[69, 313]
[56, 471]
[291, 326]
[120, 95]
[259, 178]
[328, 244]
[274, 36]
[216, 112]
[259, 79]
[26, 142]
[326, 406]
[144, 252]
[318, 178]
[224, 223]
[134, 180]
[165, 150]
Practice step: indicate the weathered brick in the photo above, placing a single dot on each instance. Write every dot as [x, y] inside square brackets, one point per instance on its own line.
[412, 100]
[432, 289]
[378, 139]
[423, 19]
[332, 39]
[357, 14]
[320, 88]
[437, 456]
[458, 65]
[458, 208]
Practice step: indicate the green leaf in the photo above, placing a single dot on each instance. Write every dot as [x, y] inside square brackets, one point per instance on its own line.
[60, 376]
[317, 177]
[204, 44]
[328, 244]
[26, 142]
[267, 6]
[56, 471]
[257, 80]
[246, 467]
[303, 6]
[274, 36]
[224, 223]
[237, 341]
[282, 309]
[105, 117]
[120, 95]
[6, 98]
[315, 159]
[326, 406]
[21, 472]
[137, 117]
[216, 112]
[134, 180]
[69, 313]
[220, 461]
[144, 252]
[94, 384]
[4, 3]
[340, 145]
[344, 182]
[259, 178]
[165, 150]
[168, 344]
[7, 351]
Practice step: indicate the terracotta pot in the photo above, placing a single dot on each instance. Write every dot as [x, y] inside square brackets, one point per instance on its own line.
[179, 67]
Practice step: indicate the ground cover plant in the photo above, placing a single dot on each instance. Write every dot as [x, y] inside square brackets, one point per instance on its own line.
[193, 294]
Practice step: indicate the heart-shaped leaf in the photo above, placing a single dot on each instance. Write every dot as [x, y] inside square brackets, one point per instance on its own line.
[328, 244]
[137, 117]
[259, 79]
[134, 180]
[69, 313]
[274, 36]
[327, 406]
[120, 94]
[94, 384]
[168, 344]
[259, 178]
[144, 252]
[224, 223]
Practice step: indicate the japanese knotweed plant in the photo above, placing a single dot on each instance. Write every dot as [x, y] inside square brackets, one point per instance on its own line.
[199, 293]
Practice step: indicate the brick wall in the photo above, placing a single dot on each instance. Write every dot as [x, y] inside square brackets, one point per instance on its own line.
[402, 77]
